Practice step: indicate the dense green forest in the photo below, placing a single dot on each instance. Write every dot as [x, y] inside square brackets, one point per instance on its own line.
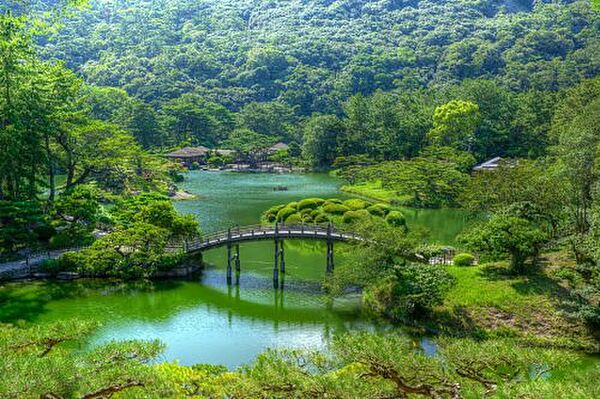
[194, 71]
[400, 99]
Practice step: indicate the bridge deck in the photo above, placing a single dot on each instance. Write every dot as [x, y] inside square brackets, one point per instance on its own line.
[259, 232]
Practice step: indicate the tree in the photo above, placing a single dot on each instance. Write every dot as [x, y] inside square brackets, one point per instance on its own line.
[192, 119]
[269, 119]
[532, 190]
[506, 235]
[18, 223]
[44, 362]
[454, 124]
[411, 291]
[78, 210]
[249, 146]
[321, 133]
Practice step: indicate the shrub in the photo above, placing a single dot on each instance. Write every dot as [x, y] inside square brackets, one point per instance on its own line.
[293, 205]
[322, 218]
[355, 204]
[412, 291]
[60, 241]
[464, 259]
[284, 213]
[396, 219]
[51, 266]
[295, 218]
[336, 209]
[70, 261]
[45, 232]
[271, 214]
[310, 203]
[379, 209]
[333, 201]
[354, 216]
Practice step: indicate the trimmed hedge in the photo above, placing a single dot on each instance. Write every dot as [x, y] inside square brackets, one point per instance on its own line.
[464, 259]
[322, 218]
[284, 213]
[310, 203]
[396, 219]
[333, 201]
[271, 213]
[296, 218]
[353, 216]
[336, 209]
[356, 204]
[379, 209]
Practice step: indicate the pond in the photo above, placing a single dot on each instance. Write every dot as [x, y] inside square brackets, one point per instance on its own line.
[202, 319]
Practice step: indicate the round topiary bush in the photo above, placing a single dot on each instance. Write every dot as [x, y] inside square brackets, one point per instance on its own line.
[310, 203]
[463, 259]
[284, 213]
[307, 218]
[296, 218]
[355, 204]
[292, 205]
[322, 218]
[354, 216]
[396, 219]
[336, 209]
[271, 214]
[333, 201]
[379, 209]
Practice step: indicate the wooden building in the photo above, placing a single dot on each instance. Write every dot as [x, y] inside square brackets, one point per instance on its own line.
[189, 155]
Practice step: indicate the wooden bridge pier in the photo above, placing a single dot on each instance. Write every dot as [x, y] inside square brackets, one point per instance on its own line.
[231, 239]
[330, 264]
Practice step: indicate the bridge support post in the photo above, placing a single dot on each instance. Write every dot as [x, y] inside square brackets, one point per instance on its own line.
[238, 265]
[276, 258]
[229, 269]
[330, 264]
[281, 257]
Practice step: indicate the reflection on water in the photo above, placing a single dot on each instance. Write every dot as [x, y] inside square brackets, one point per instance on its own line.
[201, 321]
[205, 320]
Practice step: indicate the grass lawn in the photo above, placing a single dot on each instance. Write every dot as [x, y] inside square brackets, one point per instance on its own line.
[373, 190]
[488, 301]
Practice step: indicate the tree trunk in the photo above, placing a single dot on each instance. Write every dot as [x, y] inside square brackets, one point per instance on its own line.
[51, 180]
[517, 262]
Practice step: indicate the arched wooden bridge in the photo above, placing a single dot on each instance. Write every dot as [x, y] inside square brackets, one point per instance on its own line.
[231, 238]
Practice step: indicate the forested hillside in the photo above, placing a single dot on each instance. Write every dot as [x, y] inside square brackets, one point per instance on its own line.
[314, 54]
[197, 70]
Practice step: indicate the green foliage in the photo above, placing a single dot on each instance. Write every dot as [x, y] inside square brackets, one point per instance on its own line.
[78, 211]
[310, 203]
[20, 224]
[44, 361]
[295, 218]
[380, 210]
[506, 235]
[335, 209]
[432, 180]
[356, 204]
[411, 291]
[321, 133]
[355, 216]
[463, 259]
[284, 213]
[396, 219]
[322, 218]
[454, 124]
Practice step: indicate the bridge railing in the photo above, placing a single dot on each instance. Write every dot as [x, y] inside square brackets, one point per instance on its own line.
[257, 230]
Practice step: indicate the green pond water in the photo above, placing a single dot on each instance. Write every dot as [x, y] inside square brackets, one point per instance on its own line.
[202, 319]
